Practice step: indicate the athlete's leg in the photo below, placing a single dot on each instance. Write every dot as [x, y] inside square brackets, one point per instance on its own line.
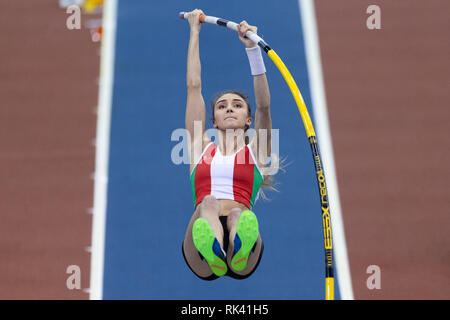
[255, 254]
[209, 210]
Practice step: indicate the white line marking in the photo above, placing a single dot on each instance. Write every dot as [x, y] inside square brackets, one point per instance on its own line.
[319, 106]
[102, 150]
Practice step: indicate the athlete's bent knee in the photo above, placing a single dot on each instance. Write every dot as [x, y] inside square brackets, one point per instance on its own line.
[236, 212]
[210, 203]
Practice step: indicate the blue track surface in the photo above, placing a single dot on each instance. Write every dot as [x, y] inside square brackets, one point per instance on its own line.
[149, 197]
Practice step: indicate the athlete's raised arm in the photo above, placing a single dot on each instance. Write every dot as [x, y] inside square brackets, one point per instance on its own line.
[262, 95]
[195, 105]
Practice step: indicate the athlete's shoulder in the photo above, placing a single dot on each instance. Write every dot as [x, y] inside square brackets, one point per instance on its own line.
[205, 140]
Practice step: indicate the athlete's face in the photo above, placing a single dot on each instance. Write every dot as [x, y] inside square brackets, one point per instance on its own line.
[231, 112]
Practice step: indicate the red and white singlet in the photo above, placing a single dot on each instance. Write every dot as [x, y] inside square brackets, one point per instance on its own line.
[235, 177]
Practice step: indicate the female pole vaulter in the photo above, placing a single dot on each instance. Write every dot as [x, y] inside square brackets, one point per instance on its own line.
[223, 237]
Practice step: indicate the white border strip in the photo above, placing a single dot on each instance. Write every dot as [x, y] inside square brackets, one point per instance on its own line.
[319, 106]
[102, 148]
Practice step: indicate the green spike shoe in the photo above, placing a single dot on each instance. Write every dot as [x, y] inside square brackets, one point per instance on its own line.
[247, 232]
[208, 246]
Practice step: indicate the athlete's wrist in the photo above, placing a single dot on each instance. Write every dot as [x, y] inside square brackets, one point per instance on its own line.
[195, 31]
[256, 61]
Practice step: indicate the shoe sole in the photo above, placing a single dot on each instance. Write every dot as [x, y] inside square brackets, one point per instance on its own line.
[203, 237]
[247, 229]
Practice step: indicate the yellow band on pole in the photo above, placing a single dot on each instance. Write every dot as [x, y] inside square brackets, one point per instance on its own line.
[329, 288]
[295, 92]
